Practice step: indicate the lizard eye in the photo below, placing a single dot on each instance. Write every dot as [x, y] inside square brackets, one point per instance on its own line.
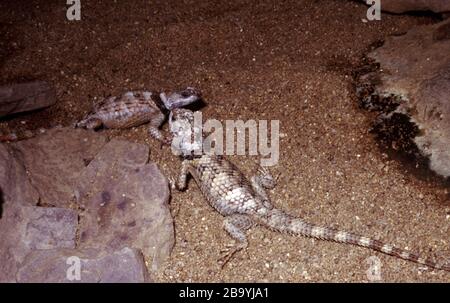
[187, 93]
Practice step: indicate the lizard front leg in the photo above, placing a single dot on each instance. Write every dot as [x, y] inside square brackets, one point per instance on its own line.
[154, 131]
[164, 99]
[181, 182]
[235, 225]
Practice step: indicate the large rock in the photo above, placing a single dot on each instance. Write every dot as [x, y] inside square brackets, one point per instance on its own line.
[415, 74]
[15, 186]
[21, 97]
[83, 266]
[125, 202]
[110, 164]
[402, 6]
[55, 160]
[27, 228]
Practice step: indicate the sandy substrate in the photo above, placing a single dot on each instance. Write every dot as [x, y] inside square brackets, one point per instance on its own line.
[290, 62]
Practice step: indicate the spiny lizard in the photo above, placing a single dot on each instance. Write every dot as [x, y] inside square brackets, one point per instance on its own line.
[138, 107]
[245, 203]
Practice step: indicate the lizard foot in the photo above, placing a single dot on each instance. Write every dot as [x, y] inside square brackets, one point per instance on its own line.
[228, 253]
[172, 183]
[266, 178]
[166, 141]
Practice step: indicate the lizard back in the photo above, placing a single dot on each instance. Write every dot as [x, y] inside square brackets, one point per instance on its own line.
[128, 110]
[225, 188]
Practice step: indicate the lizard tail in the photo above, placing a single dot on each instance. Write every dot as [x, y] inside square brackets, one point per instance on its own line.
[282, 222]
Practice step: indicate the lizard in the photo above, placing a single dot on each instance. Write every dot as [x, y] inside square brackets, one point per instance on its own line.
[245, 203]
[134, 108]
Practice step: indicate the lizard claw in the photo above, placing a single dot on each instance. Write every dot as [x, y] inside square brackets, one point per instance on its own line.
[264, 171]
[267, 180]
[228, 253]
[172, 183]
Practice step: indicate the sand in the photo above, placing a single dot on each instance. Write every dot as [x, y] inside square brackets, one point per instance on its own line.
[291, 61]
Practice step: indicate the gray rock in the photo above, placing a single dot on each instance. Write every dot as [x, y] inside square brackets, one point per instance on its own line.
[28, 228]
[402, 6]
[21, 97]
[83, 266]
[14, 184]
[415, 69]
[55, 159]
[115, 159]
[125, 203]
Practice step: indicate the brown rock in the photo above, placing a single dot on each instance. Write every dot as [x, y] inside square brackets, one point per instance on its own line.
[28, 228]
[125, 203]
[23, 97]
[60, 266]
[112, 161]
[55, 159]
[14, 184]
[415, 69]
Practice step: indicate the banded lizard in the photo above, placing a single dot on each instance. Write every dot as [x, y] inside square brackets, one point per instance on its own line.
[134, 108]
[244, 203]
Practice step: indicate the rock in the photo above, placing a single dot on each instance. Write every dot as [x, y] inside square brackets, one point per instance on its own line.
[60, 266]
[28, 228]
[402, 6]
[16, 98]
[14, 184]
[125, 203]
[55, 160]
[415, 76]
[112, 161]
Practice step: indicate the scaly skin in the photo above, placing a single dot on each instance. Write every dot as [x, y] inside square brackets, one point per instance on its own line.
[136, 108]
[245, 204]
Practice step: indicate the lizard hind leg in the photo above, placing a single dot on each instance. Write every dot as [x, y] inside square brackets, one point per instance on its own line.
[262, 181]
[236, 226]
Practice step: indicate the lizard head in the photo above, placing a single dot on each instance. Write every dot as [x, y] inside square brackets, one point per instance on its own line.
[181, 98]
[181, 125]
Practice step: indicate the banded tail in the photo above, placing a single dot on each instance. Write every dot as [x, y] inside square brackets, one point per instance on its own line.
[280, 221]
